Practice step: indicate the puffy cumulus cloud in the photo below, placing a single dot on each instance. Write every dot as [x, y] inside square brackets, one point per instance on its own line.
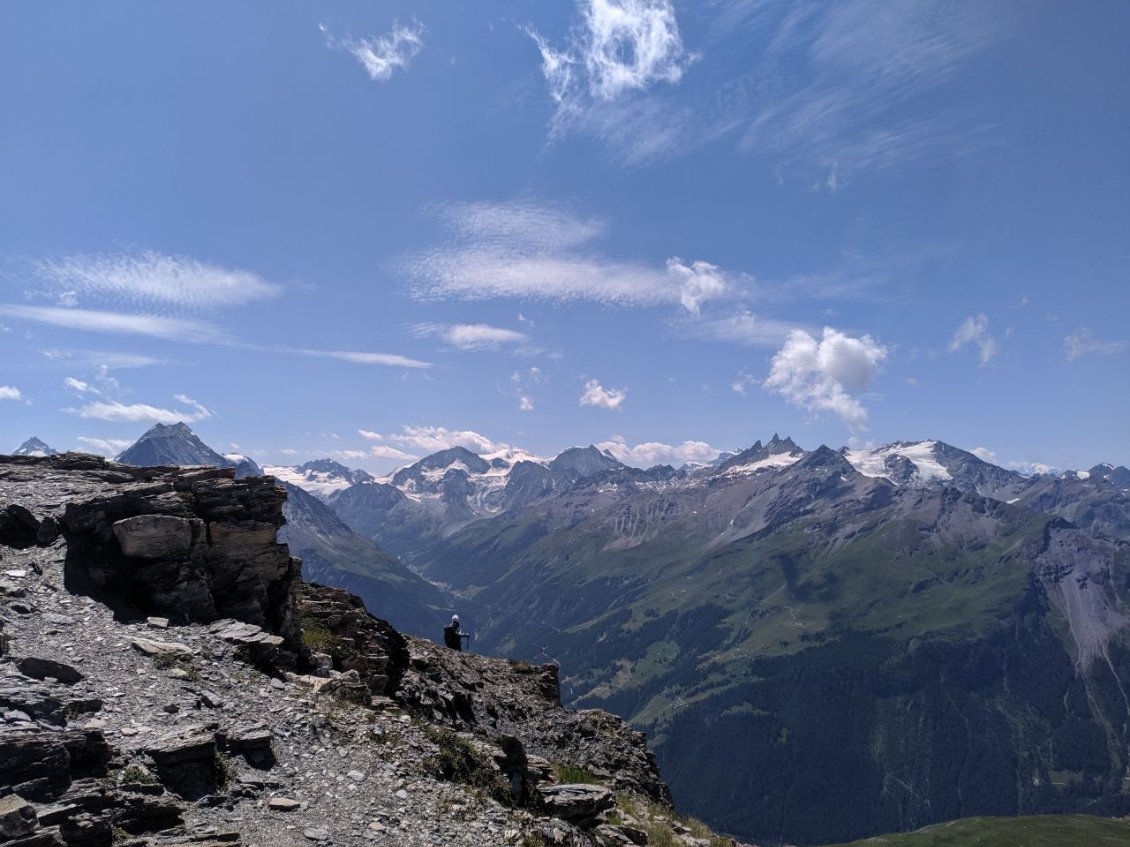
[650, 453]
[974, 330]
[9, 392]
[347, 455]
[382, 55]
[143, 412]
[431, 439]
[1082, 342]
[985, 455]
[473, 337]
[698, 282]
[384, 451]
[522, 250]
[105, 446]
[826, 374]
[621, 46]
[79, 386]
[596, 394]
[149, 278]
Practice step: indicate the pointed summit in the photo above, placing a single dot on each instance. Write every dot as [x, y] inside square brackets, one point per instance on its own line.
[172, 444]
[34, 447]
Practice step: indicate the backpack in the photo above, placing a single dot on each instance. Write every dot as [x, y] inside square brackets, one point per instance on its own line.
[451, 637]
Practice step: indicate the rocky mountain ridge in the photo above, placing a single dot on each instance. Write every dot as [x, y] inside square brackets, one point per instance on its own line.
[166, 678]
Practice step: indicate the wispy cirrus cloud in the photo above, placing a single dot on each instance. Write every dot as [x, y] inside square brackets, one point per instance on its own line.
[90, 320]
[827, 373]
[843, 85]
[143, 412]
[597, 395]
[742, 327]
[381, 55]
[1082, 342]
[474, 337]
[539, 252]
[104, 360]
[824, 92]
[149, 279]
[394, 360]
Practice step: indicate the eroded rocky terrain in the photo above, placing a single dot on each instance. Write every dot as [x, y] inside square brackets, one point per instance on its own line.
[167, 678]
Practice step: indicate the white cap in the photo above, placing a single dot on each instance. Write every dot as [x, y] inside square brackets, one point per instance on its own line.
[455, 618]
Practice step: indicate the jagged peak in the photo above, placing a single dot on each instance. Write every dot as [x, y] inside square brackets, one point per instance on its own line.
[35, 447]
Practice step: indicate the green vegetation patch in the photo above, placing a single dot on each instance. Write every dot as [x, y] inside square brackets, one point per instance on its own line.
[1032, 831]
[457, 760]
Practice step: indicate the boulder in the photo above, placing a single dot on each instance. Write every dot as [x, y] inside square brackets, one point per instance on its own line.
[155, 648]
[578, 804]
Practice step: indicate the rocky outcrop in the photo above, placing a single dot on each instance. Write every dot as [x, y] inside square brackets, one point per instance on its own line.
[495, 697]
[193, 544]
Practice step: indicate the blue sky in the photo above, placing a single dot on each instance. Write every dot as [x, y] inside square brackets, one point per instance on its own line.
[371, 230]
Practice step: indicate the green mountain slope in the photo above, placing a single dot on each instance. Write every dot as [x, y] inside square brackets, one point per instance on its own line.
[820, 655]
[1032, 831]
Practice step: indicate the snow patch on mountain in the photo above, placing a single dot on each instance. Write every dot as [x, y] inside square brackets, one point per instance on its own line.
[883, 461]
[777, 460]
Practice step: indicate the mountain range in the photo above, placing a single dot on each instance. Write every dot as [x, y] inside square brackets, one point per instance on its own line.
[871, 639]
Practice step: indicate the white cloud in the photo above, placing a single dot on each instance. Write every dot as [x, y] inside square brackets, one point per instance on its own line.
[651, 453]
[382, 55]
[362, 358]
[826, 374]
[149, 278]
[348, 455]
[106, 446]
[975, 330]
[742, 382]
[104, 361]
[742, 327]
[431, 439]
[80, 386]
[525, 404]
[596, 394]
[985, 455]
[545, 253]
[839, 85]
[1082, 341]
[383, 451]
[143, 413]
[474, 336]
[171, 329]
[622, 46]
[8, 392]
[371, 436]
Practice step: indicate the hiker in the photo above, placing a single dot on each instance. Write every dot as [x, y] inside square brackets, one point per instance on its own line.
[452, 635]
